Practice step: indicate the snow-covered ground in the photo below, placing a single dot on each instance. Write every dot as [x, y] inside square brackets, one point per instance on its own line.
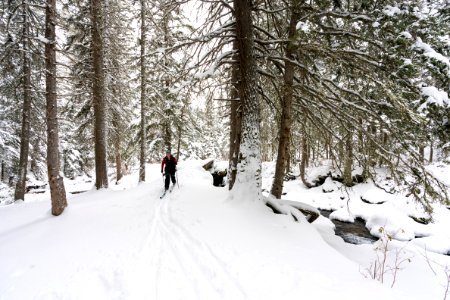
[126, 243]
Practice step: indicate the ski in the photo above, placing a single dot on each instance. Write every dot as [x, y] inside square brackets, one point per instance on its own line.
[165, 192]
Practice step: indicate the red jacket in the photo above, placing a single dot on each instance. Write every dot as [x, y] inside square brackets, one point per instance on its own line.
[170, 163]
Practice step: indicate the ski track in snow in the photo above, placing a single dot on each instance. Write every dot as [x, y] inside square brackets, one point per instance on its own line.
[181, 265]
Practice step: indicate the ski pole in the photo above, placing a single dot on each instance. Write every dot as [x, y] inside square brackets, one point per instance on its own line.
[178, 184]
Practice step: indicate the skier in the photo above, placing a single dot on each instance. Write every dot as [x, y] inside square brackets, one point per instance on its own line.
[169, 171]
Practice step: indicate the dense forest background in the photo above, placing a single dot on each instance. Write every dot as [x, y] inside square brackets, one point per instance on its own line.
[363, 84]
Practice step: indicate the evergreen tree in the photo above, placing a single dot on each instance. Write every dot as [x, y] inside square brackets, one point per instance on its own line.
[143, 77]
[119, 94]
[167, 81]
[286, 102]
[98, 95]
[248, 177]
[21, 63]
[77, 111]
[57, 190]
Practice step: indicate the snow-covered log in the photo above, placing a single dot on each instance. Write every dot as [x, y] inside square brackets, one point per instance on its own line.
[297, 210]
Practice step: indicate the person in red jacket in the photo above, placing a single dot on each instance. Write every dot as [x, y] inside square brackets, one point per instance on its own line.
[170, 163]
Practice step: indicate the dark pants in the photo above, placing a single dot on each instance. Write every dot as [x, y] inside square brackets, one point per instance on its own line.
[168, 177]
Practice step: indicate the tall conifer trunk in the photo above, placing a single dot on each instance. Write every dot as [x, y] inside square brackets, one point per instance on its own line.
[180, 130]
[167, 122]
[430, 159]
[2, 173]
[348, 159]
[143, 94]
[422, 154]
[117, 145]
[98, 93]
[26, 109]
[57, 190]
[286, 106]
[248, 177]
[235, 122]
[167, 134]
[304, 161]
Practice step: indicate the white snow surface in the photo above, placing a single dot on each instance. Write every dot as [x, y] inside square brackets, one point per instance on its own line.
[199, 243]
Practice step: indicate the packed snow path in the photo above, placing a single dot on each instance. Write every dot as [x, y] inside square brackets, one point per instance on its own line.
[127, 243]
[182, 264]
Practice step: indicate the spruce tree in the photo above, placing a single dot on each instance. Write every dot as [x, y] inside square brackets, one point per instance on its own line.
[57, 190]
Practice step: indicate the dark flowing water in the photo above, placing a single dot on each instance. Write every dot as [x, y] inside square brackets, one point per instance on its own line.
[353, 233]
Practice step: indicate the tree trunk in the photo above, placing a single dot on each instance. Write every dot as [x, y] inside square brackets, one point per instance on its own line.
[304, 161]
[143, 94]
[384, 158]
[313, 150]
[57, 190]
[422, 153]
[372, 149]
[2, 176]
[430, 160]
[286, 106]
[369, 150]
[34, 156]
[341, 153]
[167, 81]
[273, 144]
[179, 133]
[348, 160]
[98, 93]
[235, 122]
[117, 146]
[248, 177]
[179, 141]
[360, 136]
[307, 154]
[167, 134]
[288, 161]
[26, 111]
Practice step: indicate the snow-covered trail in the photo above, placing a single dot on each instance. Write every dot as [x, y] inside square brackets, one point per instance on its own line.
[114, 244]
[192, 244]
[201, 247]
[180, 262]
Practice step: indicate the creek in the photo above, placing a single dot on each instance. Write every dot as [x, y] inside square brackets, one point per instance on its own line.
[353, 233]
